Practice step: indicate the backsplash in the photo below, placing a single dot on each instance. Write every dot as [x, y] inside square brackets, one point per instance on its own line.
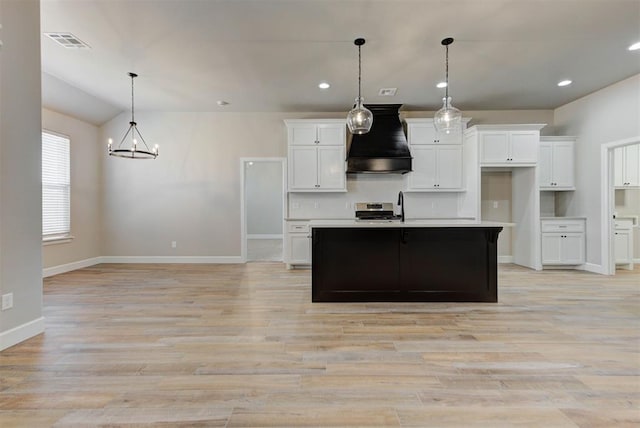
[372, 188]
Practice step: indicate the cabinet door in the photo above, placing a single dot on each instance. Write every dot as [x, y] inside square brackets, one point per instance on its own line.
[618, 169]
[572, 249]
[622, 246]
[421, 133]
[563, 165]
[551, 248]
[494, 147]
[302, 134]
[632, 165]
[303, 173]
[299, 245]
[524, 146]
[331, 134]
[449, 167]
[424, 171]
[331, 169]
[545, 165]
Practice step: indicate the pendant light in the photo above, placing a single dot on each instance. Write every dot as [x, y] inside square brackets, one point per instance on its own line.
[130, 149]
[360, 118]
[448, 119]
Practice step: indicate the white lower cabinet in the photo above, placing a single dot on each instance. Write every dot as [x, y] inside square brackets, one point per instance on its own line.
[298, 243]
[623, 241]
[563, 242]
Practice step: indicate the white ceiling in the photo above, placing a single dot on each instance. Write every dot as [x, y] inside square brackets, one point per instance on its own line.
[270, 55]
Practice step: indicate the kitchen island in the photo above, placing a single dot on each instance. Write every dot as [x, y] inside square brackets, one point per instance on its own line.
[413, 261]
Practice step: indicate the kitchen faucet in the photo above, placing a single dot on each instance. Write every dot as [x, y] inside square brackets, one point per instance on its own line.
[401, 203]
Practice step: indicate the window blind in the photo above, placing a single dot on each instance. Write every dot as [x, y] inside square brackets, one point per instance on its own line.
[56, 185]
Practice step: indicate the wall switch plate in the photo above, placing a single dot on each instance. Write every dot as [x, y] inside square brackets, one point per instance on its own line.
[7, 301]
[174, 244]
[495, 204]
[316, 205]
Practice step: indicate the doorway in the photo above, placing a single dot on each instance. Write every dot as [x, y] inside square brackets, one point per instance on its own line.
[263, 201]
[612, 201]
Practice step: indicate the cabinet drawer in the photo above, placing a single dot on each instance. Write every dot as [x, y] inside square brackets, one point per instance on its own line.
[563, 226]
[623, 224]
[298, 226]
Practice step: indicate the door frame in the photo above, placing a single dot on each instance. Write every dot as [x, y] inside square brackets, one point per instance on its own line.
[243, 213]
[607, 197]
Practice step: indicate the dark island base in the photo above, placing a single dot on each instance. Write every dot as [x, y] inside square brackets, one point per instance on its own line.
[434, 264]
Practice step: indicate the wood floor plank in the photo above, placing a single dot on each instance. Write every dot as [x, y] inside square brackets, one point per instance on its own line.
[242, 345]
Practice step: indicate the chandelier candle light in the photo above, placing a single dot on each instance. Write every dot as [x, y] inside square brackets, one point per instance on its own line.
[448, 119]
[133, 151]
[360, 118]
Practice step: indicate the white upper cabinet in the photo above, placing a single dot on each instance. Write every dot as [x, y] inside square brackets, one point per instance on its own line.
[437, 158]
[556, 169]
[508, 145]
[316, 155]
[627, 166]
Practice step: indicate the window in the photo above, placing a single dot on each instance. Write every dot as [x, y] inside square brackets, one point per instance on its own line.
[56, 187]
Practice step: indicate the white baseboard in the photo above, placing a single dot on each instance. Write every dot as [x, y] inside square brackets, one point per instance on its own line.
[21, 333]
[55, 270]
[592, 267]
[172, 259]
[636, 261]
[264, 236]
[505, 259]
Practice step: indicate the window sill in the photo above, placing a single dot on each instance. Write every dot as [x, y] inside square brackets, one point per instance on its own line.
[53, 240]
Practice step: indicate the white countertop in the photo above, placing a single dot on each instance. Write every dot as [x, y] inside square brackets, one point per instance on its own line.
[407, 223]
[564, 218]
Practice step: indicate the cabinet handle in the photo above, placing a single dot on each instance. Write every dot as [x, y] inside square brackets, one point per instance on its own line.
[317, 142]
[317, 185]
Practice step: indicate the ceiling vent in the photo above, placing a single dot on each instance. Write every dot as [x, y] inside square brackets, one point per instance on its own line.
[67, 40]
[387, 92]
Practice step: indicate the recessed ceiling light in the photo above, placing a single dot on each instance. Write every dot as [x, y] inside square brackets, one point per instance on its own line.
[222, 103]
[564, 83]
[634, 47]
[324, 85]
[441, 85]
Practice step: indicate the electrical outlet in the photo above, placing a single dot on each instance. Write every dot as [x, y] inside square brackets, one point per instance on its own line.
[7, 301]
[174, 244]
[295, 205]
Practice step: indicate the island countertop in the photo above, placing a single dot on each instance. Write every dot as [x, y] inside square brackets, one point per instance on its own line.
[407, 223]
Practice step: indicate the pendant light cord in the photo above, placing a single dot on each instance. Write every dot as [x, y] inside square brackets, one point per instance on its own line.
[132, 116]
[359, 72]
[446, 73]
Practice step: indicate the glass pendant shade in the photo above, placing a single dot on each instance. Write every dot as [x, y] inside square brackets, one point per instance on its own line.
[448, 119]
[360, 118]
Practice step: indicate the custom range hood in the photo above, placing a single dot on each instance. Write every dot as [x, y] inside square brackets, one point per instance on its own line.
[384, 149]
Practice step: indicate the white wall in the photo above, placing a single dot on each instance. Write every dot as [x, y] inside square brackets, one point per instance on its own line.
[20, 170]
[85, 191]
[191, 193]
[263, 194]
[608, 115]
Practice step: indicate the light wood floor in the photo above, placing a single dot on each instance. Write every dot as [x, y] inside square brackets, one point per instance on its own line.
[241, 345]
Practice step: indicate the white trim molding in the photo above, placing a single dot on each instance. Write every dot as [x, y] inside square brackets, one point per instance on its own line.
[592, 267]
[68, 267]
[173, 259]
[264, 236]
[21, 333]
[505, 259]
